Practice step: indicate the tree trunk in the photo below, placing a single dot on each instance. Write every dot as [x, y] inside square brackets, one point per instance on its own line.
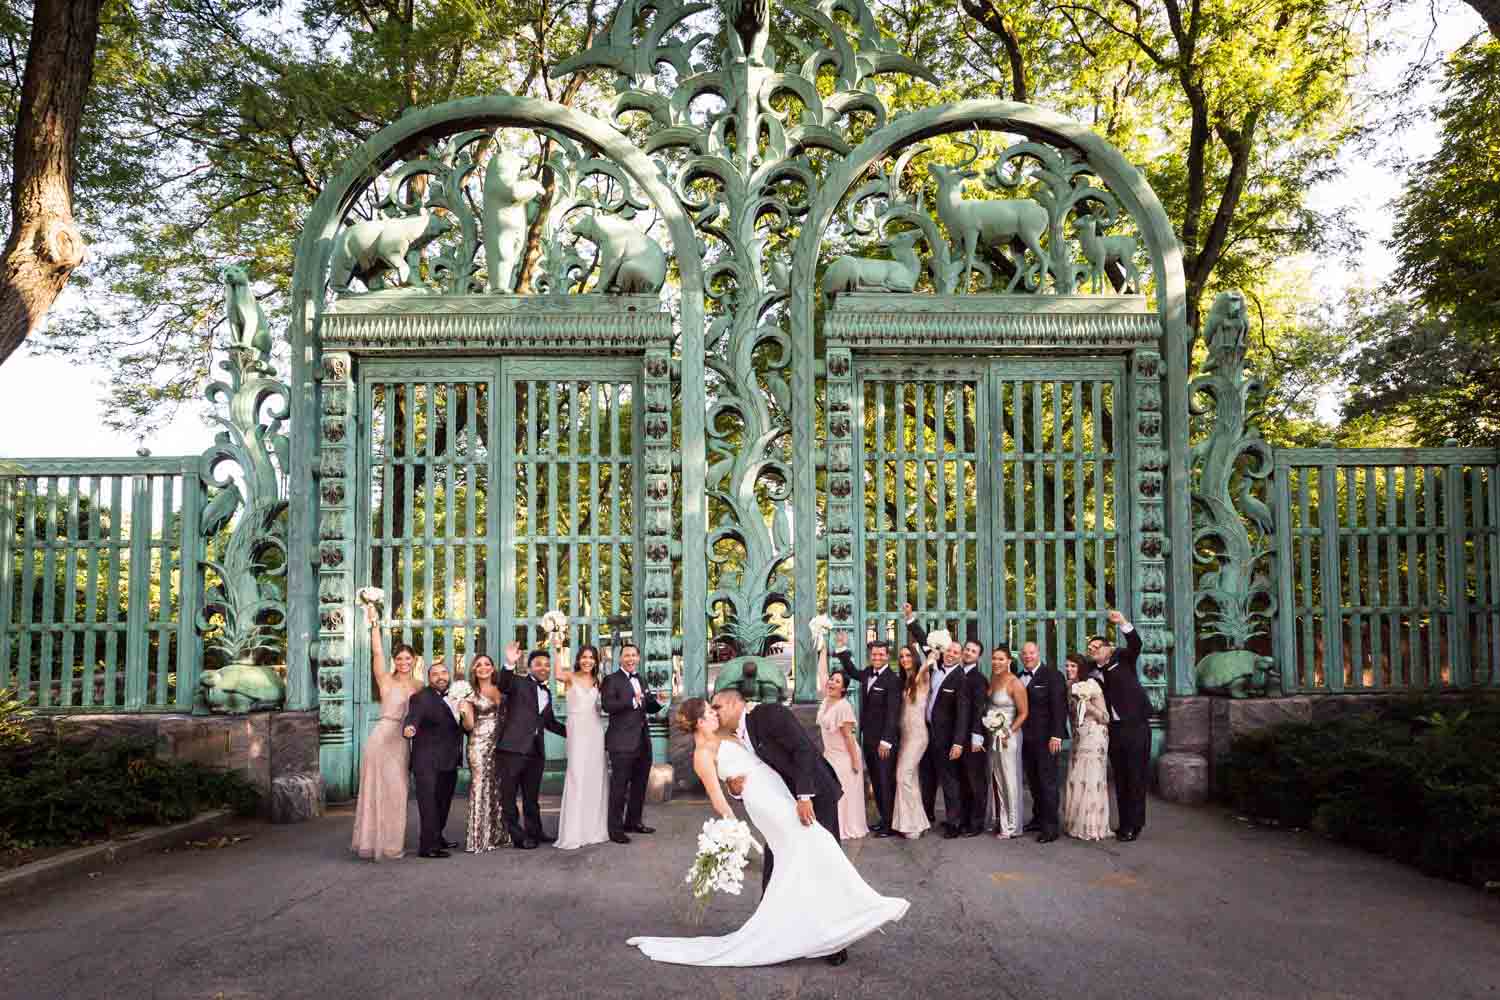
[45, 244]
[1490, 11]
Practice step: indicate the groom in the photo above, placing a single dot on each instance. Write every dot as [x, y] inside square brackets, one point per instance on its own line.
[628, 742]
[774, 735]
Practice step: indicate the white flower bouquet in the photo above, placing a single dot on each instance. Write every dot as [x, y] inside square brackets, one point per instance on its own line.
[724, 848]
[997, 727]
[554, 623]
[939, 639]
[819, 627]
[459, 690]
[372, 595]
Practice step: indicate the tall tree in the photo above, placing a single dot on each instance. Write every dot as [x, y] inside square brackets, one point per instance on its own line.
[45, 244]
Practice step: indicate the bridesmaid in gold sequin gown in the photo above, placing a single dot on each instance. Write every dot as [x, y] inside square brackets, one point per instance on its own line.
[380, 812]
[481, 713]
[910, 816]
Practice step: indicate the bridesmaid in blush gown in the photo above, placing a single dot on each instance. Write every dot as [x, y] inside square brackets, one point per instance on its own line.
[836, 722]
[584, 819]
[910, 816]
[481, 714]
[380, 812]
[1086, 806]
[1008, 694]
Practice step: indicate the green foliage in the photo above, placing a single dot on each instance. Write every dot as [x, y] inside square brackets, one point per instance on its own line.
[1416, 781]
[68, 794]
[13, 716]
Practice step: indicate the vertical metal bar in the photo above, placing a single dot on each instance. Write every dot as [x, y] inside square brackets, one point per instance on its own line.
[1285, 623]
[1357, 619]
[596, 503]
[112, 638]
[1378, 619]
[478, 607]
[1065, 616]
[940, 535]
[575, 509]
[408, 549]
[1409, 529]
[139, 593]
[1456, 554]
[190, 587]
[93, 556]
[70, 594]
[49, 587]
[9, 486]
[898, 486]
[428, 459]
[960, 499]
[878, 523]
[160, 627]
[1432, 546]
[1120, 475]
[390, 396]
[456, 626]
[1332, 576]
[1310, 597]
[1080, 602]
[29, 504]
[921, 536]
[1036, 524]
[1101, 457]
[1019, 522]
[1492, 491]
[501, 596]
[1393, 579]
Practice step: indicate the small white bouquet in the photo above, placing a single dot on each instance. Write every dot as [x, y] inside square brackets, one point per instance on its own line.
[723, 852]
[939, 639]
[819, 628]
[459, 690]
[554, 623]
[371, 595]
[998, 728]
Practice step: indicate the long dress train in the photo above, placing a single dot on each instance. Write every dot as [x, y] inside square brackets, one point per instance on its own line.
[909, 816]
[1086, 804]
[486, 831]
[1005, 773]
[815, 904]
[380, 811]
[853, 822]
[585, 799]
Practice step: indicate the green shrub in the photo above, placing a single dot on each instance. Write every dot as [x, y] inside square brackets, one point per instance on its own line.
[1417, 780]
[13, 716]
[67, 794]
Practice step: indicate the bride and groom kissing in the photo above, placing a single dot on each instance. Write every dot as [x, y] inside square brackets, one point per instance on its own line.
[813, 902]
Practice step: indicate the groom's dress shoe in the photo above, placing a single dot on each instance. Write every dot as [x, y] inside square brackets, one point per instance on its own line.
[542, 838]
[619, 838]
[950, 832]
[882, 832]
[838, 958]
[1127, 836]
[449, 845]
[1032, 827]
[526, 845]
[1045, 838]
[640, 828]
[434, 854]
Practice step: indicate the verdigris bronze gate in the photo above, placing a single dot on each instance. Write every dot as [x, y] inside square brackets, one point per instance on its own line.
[992, 494]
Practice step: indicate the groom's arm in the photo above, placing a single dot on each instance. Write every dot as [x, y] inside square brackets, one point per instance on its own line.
[616, 697]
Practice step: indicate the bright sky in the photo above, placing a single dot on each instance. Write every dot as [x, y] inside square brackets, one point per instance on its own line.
[52, 407]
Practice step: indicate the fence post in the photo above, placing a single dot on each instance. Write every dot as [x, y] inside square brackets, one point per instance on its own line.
[1284, 621]
[190, 586]
[1457, 576]
[137, 642]
[7, 580]
[1332, 575]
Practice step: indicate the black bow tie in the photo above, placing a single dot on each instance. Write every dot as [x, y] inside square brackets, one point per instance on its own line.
[1026, 673]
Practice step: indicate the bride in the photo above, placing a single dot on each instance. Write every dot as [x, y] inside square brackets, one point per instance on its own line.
[815, 904]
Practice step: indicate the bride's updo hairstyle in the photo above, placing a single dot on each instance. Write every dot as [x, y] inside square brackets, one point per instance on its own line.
[689, 713]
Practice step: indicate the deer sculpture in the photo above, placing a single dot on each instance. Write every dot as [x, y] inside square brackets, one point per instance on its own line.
[995, 222]
[1102, 251]
[858, 274]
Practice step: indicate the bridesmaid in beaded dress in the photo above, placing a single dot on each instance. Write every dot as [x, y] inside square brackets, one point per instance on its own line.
[481, 713]
[1008, 694]
[909, 817]
[1086, 805]
[584, 818]
[836, 722]
[380, 812]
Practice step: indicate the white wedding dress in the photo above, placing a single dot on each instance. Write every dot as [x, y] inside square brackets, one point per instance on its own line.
[815, 904]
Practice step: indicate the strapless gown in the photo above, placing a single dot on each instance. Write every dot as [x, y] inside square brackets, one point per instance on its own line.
[816, 903]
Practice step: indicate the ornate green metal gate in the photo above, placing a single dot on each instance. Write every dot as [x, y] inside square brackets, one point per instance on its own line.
[992, 496]
[500, 489]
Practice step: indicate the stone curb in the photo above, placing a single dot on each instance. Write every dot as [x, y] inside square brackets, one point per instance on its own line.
[96, 856]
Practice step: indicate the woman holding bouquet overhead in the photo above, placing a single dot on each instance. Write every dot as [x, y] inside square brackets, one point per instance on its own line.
[836, 723]
[1086, 805]
[1004, 718]
[380, 812]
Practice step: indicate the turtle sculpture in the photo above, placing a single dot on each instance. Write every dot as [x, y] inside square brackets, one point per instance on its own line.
[242, 687]
[1238, 673]
[758, 678]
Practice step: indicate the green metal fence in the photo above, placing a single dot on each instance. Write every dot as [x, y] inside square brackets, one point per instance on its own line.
[99, 565]
[1388, 568]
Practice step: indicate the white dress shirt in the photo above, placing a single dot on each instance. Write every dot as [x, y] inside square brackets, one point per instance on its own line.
[541, 696]
[938, 673]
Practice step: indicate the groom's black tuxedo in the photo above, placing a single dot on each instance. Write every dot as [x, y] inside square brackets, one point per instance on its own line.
[779, 740]
[1129, 732]
[520, 754]
[628, 742]
[1047, 698]
[434, 763]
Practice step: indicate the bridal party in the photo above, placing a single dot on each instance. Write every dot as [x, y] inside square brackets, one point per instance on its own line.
[1029, 747]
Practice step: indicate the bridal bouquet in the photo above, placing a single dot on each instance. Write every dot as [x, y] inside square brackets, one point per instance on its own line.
[938, 640]
[459, 690]
[998, 728]
[723, 852]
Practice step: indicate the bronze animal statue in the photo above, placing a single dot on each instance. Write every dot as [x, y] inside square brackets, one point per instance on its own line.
[372, 249]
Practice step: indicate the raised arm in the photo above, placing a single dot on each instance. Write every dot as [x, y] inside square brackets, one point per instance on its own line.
[377, 649]
[1132, 636]
[707, 771]
[914, 630]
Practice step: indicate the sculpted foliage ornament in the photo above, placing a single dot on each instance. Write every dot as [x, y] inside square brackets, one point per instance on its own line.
[1232, 527]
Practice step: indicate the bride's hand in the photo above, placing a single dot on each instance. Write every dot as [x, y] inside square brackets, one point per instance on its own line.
[736, 786]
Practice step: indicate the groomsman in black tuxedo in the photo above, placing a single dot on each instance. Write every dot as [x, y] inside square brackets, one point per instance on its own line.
[881, 687]
[519, 752]
[436, 738]
[974, 766]
[1129, 724]
[1042, 739]
[628, 743]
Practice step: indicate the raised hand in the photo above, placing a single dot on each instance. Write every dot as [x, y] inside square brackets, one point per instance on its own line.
[1116, 618]
[371, 618]
[512, 654]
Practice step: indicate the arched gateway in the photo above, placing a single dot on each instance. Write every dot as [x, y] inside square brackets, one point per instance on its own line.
[648, 372]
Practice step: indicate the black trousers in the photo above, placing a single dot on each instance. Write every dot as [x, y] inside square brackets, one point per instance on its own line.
[1041, 780]
[827, 812]
[937, 771]
[1130, 758]
[628, 774]
[521, 772]
[974, 771]
[882, 780]
[434, 792]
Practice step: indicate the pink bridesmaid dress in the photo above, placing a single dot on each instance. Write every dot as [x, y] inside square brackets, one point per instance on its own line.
[831, 716]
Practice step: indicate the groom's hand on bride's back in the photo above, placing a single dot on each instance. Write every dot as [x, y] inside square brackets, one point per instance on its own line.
[736, 786]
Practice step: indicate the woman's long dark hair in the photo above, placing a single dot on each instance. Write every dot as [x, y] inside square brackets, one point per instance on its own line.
[910, 676]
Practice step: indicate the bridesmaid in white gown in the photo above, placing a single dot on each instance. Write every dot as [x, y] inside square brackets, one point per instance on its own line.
[1008, 694]
[815, 905]
[584, 818]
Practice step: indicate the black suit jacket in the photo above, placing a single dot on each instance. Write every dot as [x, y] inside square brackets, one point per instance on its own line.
[979, 695]
[627, 724]
[879, 703]
[1123, 693]
[952, 713]
[779, 740]
[523, 723]
[1046, 706]
[436, 746]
